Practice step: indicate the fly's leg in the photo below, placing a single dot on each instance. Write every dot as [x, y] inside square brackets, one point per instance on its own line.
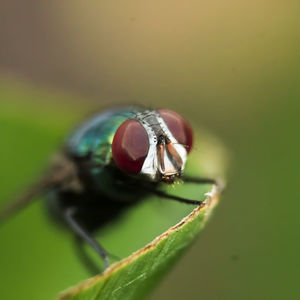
[173, 197]
[196, 180]
[62, 173]
[80, 231]
[84, 257]
[199, 180]
[25, 199]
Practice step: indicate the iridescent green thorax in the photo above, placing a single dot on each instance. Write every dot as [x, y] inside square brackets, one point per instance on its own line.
[95, 136]
[92, 142]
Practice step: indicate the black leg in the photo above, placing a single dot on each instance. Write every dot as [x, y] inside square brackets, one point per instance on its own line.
[69, 215]
[86, 260]
[153, 190]
[199, 180]
[187, 179]
[173, 197]
[62, 171]
[25, 199]
[83, 256]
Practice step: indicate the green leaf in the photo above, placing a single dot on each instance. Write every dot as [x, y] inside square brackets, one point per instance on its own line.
[157, 231]
[134, 276]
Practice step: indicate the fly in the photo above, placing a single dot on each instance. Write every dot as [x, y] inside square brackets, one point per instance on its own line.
[109, 163]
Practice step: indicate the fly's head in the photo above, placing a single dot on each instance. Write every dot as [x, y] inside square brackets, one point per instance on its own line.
[154, 145]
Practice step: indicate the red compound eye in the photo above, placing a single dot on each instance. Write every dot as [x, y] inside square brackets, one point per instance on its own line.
[179, 127]
[130, 146]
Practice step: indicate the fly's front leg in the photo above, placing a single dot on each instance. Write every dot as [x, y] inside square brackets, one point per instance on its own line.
[219, 185]
[70, 217]
[199, 180]
[176, 198]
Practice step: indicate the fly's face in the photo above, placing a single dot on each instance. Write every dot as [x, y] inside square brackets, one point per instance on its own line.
[170, 161]
[153, 144]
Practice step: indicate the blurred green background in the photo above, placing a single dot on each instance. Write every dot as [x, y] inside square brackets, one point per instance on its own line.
[230, 66]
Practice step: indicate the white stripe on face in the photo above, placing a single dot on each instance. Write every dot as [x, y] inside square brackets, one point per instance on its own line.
[152, 166]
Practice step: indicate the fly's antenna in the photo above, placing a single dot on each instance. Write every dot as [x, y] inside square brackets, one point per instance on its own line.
[183, 145]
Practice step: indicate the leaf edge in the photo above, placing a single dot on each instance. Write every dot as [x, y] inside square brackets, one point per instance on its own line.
[207, 206]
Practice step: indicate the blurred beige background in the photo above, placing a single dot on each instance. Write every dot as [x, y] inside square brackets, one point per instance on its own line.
[152, 51]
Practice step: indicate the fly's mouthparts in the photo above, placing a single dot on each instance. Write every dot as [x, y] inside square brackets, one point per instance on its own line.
[170, 178]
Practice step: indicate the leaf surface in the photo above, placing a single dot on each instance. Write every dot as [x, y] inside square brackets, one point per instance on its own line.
[136, 275]
[149, 238]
